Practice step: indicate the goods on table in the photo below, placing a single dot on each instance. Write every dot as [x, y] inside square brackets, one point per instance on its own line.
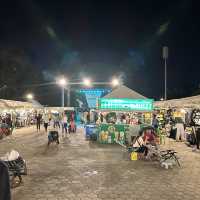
[147, 118]
[111, 117]
[110, 133]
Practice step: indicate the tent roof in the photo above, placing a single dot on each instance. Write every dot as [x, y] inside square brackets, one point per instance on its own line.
[193, 101]
[35, 104]
[124, 92]
[10, 104]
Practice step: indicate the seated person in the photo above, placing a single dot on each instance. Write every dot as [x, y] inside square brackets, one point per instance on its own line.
[140, 145]
[53, 135]
[149, 137]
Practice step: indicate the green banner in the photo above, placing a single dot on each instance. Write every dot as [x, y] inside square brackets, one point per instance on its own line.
[125, 104]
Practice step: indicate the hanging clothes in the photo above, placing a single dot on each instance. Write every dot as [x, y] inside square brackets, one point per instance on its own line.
[180, 133]
[4, 182]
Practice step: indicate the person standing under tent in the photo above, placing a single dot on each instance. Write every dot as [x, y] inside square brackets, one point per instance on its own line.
[88, 117]
[95, 117]
[101, 117]
[155, 122]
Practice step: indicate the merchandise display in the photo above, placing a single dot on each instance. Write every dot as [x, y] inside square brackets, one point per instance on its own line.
[118, 116]
[112, 133]
[16, 114]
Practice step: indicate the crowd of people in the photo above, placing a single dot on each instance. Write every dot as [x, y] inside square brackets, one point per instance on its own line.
[56, 121]
[14, 120]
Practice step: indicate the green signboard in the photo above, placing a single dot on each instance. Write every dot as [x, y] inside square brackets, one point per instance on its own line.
[125, 104]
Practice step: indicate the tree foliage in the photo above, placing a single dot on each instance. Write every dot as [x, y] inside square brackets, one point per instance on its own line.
[16, 71]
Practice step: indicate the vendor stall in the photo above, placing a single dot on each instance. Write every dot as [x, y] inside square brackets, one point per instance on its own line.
[17, 113]
[180, 111]
[121, 111]
[180, 108]
[128, 112]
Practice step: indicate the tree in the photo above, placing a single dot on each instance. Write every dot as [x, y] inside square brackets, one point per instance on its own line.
[16, 72]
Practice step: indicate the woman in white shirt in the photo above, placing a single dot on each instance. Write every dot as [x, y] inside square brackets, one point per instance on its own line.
[139, 142]
[140, 145]
[46, 121]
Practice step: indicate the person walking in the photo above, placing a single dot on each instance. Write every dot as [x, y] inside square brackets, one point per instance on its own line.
[56, 121]
[46, 121]
[64, 123]
[72, 126]
[38, 122]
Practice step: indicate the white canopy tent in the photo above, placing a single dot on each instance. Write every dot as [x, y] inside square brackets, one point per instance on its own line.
[12, 105]
[188, 102]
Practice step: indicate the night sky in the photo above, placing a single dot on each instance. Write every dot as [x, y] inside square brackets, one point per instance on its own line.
[42, 39]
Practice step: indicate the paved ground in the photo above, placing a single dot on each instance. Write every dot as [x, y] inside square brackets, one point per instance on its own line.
[78, 169]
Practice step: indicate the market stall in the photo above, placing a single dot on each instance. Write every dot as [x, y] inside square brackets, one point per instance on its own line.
[128, 113]
[178, 111]
[122, 110]
[19, 113]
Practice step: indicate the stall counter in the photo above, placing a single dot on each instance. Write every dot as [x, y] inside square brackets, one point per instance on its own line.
[110, 133]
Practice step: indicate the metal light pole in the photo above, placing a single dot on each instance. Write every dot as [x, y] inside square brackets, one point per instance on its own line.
[68, 95]
[62, 82]
[165, 79]
[63, 96]
[165, 57]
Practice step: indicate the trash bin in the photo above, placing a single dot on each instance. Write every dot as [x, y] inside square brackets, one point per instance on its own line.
[91, 131]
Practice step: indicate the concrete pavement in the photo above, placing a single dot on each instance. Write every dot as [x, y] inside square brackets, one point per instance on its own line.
[79, 169]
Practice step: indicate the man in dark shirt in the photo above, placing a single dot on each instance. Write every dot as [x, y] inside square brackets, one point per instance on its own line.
[38, 121]
[4, 182]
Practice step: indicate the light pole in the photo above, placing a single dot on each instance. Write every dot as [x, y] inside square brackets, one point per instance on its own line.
[62, 82]
[165, 57]
[68, 95]
[86, 82]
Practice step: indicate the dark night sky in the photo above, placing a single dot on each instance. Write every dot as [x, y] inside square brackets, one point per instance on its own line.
[105, 38]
